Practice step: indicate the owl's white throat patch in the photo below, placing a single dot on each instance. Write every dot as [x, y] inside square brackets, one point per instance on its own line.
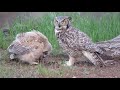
[57, 31]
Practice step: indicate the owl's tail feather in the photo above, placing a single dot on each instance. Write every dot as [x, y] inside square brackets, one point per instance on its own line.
[100, 61]
[94, 58]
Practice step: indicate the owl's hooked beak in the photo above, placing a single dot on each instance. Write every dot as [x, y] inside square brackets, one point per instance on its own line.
[58, 27]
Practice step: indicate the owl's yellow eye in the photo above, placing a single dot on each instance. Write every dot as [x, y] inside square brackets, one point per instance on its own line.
[63, 22]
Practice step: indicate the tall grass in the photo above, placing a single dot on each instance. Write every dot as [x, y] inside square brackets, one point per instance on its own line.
[104, 28]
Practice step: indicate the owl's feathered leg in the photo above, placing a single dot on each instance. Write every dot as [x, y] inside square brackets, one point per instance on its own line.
[71, 61]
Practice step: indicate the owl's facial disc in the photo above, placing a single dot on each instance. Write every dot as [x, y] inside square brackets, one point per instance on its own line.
[57, 25]
[61, 25]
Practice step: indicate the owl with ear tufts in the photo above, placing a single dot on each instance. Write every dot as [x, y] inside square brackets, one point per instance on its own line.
[75, 42]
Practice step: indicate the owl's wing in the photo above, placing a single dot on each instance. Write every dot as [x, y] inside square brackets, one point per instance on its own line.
[18, 49]
[81, 41]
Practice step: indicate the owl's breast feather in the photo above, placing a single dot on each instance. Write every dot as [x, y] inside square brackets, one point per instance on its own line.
[57, 33]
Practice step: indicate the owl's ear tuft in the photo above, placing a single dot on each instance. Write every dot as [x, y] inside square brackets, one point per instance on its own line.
[54, 19]
[70, 18]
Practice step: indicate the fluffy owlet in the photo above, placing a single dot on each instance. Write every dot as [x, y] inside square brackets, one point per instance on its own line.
[29, 47]
[75, 42]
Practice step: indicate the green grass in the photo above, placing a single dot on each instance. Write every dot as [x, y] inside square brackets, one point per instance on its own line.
[5, 72]
[47, 72]
[101, 29]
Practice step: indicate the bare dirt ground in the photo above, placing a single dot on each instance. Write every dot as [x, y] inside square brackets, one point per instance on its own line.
[52, 67]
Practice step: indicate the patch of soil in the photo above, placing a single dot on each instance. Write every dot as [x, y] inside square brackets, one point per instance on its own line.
[82, 68]
[53, 61]
[85, 69]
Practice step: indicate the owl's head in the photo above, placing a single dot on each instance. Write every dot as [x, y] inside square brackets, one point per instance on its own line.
[62, 22]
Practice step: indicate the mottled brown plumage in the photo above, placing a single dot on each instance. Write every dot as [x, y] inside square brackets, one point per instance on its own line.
[74, 42]
[29, 47]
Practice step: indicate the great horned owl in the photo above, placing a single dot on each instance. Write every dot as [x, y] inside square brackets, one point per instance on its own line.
[74, 42]
[29, 47]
